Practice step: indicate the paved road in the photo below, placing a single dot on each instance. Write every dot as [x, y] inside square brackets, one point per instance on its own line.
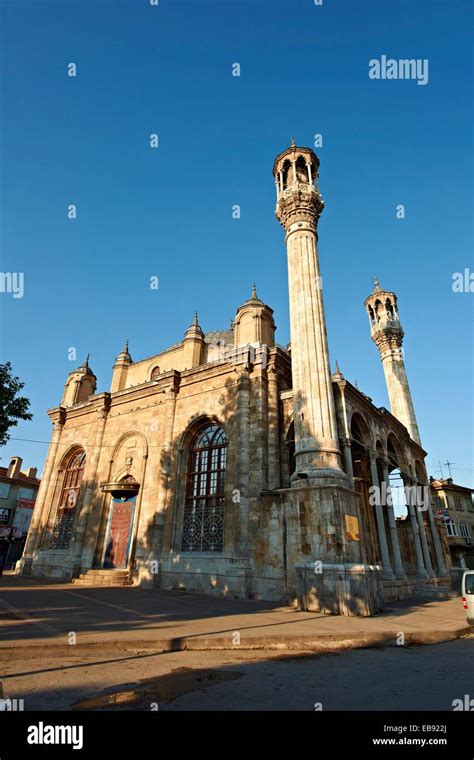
[401, 678]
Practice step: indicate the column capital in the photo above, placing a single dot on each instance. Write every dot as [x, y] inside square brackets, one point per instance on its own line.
[57, 417]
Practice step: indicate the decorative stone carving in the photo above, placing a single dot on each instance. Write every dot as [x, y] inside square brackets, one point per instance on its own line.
[299, 203]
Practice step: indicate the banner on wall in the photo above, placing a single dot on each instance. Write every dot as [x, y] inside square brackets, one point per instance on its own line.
[352, 528]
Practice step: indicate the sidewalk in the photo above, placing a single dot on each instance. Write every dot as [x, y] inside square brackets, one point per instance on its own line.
[41, 613]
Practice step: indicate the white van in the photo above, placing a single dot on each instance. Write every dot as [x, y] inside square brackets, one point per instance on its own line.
[468, 595]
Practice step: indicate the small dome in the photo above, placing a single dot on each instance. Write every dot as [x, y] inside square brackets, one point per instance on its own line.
[254, 322]
[84, 367]
[124, 355]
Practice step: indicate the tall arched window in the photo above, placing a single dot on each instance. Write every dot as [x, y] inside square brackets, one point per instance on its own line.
[203, 524]
[62, 529]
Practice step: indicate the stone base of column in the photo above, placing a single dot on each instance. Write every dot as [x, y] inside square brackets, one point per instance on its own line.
[323, 550]
[313, 457]
[24, 566]
[314, 477]
[422, 573]
[400, 574]
[348, 589]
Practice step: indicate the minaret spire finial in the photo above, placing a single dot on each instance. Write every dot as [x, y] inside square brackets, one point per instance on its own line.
[293, 144]
[254, 292]
[86, 363]
[376, 283]
[196, 319]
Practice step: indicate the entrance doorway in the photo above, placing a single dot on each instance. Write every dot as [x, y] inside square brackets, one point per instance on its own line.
[119, 534]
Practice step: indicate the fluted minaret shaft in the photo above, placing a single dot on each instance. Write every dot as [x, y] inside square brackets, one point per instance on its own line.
[299, 205]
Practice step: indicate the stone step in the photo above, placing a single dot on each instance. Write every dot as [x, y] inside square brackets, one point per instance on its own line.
[105, 582]
[107, 578]
[106, 572]
[104, 577]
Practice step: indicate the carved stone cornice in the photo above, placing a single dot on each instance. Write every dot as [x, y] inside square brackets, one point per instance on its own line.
[299, 203]
[387, 335]
[57, 415]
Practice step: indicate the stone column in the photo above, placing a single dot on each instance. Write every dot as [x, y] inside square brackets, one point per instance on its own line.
[346, 448]
[166, 537]
[386, 566]
[167, 443]
[421, 570]
[43, 501]
[172, 543]
[85, 537]
[273, 430]
[258, 428]
[348, 458]
[421, 524]
[242, 474]
[397, 557]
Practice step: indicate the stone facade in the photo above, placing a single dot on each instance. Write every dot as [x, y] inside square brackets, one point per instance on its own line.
[231, 465]
[455, 506]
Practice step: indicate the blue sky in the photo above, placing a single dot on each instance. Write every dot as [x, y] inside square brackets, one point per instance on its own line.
[168, 212]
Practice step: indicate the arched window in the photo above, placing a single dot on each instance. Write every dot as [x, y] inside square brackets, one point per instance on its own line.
[203, 524]
[301, 170]
[62, 529]
[155, 373]
[389, 308]
[287, 174]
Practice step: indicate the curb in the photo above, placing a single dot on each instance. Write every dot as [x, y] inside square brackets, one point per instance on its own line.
[288, 642]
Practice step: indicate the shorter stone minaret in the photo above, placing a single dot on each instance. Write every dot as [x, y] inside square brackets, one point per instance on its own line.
[254, 322]
[387, 334]
[120, 370]
[80, 385]
[193, 344]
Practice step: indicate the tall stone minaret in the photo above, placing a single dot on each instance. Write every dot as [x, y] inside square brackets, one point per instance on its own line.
[299, 205]
[387, 334]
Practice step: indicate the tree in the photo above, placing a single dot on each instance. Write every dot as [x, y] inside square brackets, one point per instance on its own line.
[12, 407]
